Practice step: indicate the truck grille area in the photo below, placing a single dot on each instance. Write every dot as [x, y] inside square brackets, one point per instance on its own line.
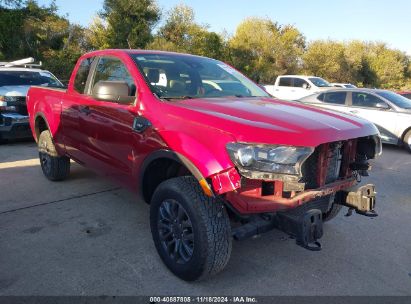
[324, 165]
[19, 102]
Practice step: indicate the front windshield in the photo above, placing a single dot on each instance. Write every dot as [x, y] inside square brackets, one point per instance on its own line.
[319, 82]
[181, 76]
[28, 78]
[398, 100]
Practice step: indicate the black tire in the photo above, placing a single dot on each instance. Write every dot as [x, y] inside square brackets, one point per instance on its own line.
[55, 167]
[407, 141]
[332, 213]
[209, 236]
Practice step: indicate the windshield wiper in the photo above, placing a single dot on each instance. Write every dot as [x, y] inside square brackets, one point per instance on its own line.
[246, 96]
[176, 97]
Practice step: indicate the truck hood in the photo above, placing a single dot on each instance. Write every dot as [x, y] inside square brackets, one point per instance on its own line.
[14, 90]
[271, 121]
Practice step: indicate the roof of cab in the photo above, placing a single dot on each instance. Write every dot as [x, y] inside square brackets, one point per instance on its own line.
[137, 51]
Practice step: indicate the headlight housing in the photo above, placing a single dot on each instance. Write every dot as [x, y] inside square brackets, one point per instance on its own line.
[4, 106]
[269, 161]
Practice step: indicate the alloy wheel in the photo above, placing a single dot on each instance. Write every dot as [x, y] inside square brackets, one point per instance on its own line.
[175, 231]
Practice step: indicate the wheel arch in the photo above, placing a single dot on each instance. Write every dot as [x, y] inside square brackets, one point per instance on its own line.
[40, 124]
[165, 164]
[405, 133]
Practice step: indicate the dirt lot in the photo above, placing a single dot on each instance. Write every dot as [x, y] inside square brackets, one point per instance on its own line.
[87, 236]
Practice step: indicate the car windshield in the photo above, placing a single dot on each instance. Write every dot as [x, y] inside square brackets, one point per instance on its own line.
[398, 100]
[174, 76]
[28, 78]
[319, 82]
[350, 86]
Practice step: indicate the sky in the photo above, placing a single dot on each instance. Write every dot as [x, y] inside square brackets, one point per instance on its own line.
[378, 20]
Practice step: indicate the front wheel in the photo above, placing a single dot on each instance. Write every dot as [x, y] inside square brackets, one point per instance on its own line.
[407, 141]
[332, 213]
[191, 231]
[55, 167]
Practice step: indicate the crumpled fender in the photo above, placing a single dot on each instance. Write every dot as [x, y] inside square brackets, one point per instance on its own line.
[207, 153]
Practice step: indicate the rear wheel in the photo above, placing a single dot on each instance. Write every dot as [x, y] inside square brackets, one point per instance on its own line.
[55, 167]
[191, 231]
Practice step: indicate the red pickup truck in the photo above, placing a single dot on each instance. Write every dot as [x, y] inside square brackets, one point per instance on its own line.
[212, 153]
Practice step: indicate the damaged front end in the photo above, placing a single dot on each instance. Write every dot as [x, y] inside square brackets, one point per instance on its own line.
[297, 203]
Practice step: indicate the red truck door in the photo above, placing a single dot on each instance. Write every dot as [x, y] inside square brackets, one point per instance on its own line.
[73, 134]
[104, 139]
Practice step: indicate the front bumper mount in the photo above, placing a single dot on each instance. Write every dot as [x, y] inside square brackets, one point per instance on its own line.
[361, 199]
[305, 224]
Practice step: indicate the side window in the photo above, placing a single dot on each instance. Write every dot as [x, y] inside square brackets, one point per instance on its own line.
[285, 82]
[300, 83]
[82, 73]
[321, 97]
[112, 69]
[365, 100]
[335, 97]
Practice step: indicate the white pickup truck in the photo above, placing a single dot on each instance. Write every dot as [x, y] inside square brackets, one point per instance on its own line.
[293, 87]
[16, 78]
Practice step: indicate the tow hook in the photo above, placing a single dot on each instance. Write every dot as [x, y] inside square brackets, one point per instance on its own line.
[307, 228]
[362, 200]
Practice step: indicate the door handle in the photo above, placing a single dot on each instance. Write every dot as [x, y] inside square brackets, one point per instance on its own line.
[354, 111]
[85, 110]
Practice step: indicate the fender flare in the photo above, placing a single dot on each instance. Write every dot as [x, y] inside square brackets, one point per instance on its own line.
[175, 156]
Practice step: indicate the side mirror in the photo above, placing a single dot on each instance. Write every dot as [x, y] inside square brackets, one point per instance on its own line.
[306, 86]
[114, 91]
[382, 106]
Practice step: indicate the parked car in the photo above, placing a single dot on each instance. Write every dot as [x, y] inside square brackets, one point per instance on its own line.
[15, 79]
[406, 94]
[343, 85]
[390, 112]
[292, 87]
[213, 164]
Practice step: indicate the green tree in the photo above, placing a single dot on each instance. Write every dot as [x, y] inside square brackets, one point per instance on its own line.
[96, 34]
[327, 59]
[39, 32]
[264, 49]
[11, 3]
[129, 23]
[181, 33]
[389, 65]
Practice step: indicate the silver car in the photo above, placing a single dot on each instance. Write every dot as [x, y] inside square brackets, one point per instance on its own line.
[389, 111]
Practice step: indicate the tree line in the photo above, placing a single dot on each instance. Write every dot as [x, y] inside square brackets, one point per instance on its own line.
[259, 47]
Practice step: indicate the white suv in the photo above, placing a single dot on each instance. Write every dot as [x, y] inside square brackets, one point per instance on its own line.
[15, 79]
